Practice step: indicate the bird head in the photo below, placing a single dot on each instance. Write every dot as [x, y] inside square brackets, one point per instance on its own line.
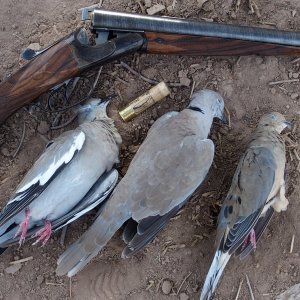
[93, 109]
[208, 102]
[274, 120]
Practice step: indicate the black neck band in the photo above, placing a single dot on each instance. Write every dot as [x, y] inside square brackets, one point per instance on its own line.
[196, 109]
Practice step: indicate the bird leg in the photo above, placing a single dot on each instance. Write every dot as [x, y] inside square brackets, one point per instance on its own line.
[43, 234]
[251, 238]
[23, 227]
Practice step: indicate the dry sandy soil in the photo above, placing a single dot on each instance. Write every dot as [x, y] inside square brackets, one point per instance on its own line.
[244, 83]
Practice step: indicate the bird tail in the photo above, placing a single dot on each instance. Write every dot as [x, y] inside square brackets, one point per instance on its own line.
[216, 269]
[79, 254]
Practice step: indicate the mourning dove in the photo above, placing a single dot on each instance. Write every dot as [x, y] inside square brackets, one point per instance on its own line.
[169, 165]
[257, 189]
[74, 174]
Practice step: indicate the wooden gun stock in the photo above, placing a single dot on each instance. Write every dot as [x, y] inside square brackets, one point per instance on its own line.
[164, 43]
[42, 73]
[64, 60]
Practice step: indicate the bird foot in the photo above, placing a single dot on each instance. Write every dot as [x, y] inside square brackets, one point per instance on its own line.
[23, 227]
[251, 238]
[43, 234]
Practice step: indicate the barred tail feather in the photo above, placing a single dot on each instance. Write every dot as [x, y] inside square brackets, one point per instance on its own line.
[216, 269]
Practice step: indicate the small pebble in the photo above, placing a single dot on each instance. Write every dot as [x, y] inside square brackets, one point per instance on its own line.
[155, 9]
[43, 127]
[295, 75]
[167, 287]
[184, 296]
[39, 280]
[294, 96]
[5, 152]
[273, 91]
[13, 269]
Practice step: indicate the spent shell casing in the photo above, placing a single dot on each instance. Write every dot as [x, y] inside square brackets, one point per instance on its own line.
[144, 101]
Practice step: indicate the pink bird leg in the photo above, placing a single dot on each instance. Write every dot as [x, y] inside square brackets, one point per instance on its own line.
[250, 238]
[23, 227]
[44, 233]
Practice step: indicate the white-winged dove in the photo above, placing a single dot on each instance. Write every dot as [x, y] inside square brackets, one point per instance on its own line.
[75, 173]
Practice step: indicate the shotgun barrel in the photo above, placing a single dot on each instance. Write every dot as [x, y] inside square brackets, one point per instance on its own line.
[102, 19]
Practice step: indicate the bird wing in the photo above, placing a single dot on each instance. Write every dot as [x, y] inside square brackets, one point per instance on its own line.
[251, 186]
[56, 156]
[164, 186]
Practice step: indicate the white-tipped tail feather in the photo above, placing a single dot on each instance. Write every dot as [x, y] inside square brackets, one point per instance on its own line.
[215, 271]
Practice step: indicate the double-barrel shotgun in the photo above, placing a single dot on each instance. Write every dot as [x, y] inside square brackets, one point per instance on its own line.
[118, 34]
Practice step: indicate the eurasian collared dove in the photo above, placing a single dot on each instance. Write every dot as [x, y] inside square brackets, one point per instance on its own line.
[257, 189]
[74, 174]
[168, 167]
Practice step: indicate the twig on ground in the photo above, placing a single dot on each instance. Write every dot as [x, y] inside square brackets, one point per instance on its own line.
[228, 117]
[63, 235]
[21, 260]
[120, 95]
[283, 81]
[141, 6]
[54, 283]
[21, 141]
[239, 290]
[192, 89]
[183, 281]
[70, 289]
[151, 81]
[65, 124]
[295, 60]
[292, 244]
[250, 288]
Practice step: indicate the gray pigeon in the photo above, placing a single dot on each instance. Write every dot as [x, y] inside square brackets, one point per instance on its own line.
[75, 173]
[257, 189]
[168, 167]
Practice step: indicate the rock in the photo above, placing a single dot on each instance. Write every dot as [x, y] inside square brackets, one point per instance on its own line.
[166, 287]
[13, 269]
[39, 279]
[185, 81]
[294, 96]
[155, 9]
[201, 2]
[34, 46]
[148, 3]
[43, 127]
[5, 152]
[295, 75]
[291, 294]
[184, 296]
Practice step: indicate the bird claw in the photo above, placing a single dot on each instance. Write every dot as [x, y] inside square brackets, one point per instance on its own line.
[23, 227]
[43, 234]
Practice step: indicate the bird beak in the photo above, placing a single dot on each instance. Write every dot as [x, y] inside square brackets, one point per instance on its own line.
[224, 119]
[288, 124]
[104, 103]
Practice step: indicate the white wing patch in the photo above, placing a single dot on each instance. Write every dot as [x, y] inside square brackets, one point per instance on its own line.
[42, 178]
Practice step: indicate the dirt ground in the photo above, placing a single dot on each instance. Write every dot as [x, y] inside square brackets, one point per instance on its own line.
[244, 83]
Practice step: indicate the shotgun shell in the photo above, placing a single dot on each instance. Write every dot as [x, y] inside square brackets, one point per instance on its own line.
[144, 101]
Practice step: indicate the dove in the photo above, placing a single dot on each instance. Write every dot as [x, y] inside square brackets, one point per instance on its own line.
[257, 189]
[74, 174]
[170, 164]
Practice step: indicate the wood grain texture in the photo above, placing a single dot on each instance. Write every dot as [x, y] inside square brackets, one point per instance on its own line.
[161, 43]
[43, 72]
